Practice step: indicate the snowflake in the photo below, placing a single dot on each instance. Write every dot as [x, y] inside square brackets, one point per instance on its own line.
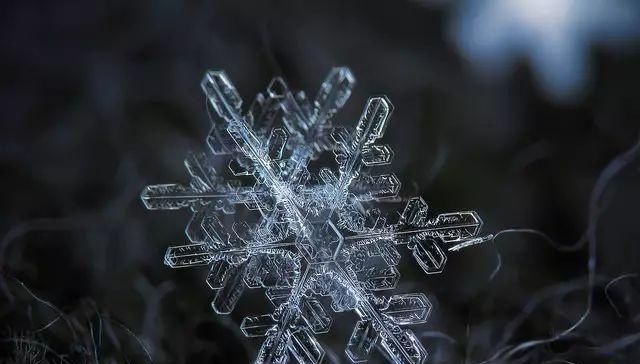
[276, 219]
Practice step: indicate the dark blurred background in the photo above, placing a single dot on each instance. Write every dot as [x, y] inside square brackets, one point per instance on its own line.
[525, 110]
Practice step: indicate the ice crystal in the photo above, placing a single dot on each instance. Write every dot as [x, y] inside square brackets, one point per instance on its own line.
[278, 218]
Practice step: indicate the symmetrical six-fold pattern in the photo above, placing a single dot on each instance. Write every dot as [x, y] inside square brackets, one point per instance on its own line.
[308, 235]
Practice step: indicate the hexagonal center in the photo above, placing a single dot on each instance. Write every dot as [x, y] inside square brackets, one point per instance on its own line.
[322, 245]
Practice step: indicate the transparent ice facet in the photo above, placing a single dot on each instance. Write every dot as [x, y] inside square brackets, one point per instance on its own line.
[268, 214]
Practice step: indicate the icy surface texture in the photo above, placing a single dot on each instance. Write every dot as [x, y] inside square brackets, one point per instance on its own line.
[268, 213]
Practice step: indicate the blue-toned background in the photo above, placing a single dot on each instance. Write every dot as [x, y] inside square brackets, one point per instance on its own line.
[519, 109]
